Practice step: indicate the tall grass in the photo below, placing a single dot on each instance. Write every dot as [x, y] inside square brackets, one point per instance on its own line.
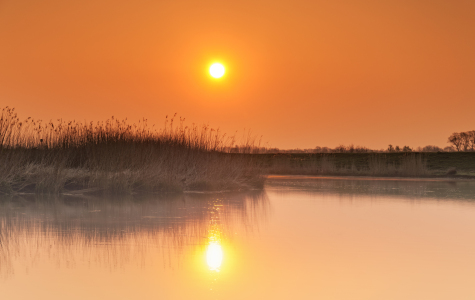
[409, 165]
[116, 156]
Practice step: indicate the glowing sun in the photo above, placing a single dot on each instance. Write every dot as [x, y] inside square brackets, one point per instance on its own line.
[216, 70]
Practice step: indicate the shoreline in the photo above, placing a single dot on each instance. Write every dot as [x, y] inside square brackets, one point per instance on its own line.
[365, 177]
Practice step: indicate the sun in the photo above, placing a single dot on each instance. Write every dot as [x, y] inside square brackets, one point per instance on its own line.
[216, 70]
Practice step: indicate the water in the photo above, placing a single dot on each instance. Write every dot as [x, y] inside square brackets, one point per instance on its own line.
[300, 238]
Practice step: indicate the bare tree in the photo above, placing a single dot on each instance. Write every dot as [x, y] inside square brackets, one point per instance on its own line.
[340, 149]
[471, 140]
[465, 138]
[449, 149]
[455, 140]
[431, 148]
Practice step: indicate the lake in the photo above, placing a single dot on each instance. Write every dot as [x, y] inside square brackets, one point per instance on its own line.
[299, 238]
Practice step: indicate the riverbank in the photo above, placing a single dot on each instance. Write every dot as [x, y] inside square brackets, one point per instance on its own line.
[139, 169]
[413, 164]
[131, 167]
[117, 157]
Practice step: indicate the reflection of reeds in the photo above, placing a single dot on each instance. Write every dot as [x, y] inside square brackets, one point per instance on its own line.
[110, 232]
[115, 156]
[377, 188]
[410, 165]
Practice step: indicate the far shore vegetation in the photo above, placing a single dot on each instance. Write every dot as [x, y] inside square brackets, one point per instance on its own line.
[393, 164]
[456, 160]
[115, 156]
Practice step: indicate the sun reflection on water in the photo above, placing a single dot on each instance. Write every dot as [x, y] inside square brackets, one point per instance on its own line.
[214, 256]
[214, 250]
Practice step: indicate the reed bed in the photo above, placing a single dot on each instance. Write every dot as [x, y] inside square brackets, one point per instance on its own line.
[409, 165]
[114, 156]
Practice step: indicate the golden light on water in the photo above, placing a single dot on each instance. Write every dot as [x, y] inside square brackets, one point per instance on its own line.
[214, 256]
[217, 70]
[214, 251]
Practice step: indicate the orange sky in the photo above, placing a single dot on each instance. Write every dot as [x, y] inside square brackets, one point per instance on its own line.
[300, 73]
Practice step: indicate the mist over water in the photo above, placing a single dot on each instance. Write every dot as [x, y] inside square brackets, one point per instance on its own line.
[111, 232]
[302, 238]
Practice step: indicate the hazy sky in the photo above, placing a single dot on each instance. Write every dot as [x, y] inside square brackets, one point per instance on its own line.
[300, 73]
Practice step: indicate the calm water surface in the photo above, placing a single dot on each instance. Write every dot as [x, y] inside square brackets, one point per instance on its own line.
[300, 238]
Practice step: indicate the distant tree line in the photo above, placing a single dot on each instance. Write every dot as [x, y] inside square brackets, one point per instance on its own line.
[428, 148]
[357, 149]
[459, 141]
[462, 141]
